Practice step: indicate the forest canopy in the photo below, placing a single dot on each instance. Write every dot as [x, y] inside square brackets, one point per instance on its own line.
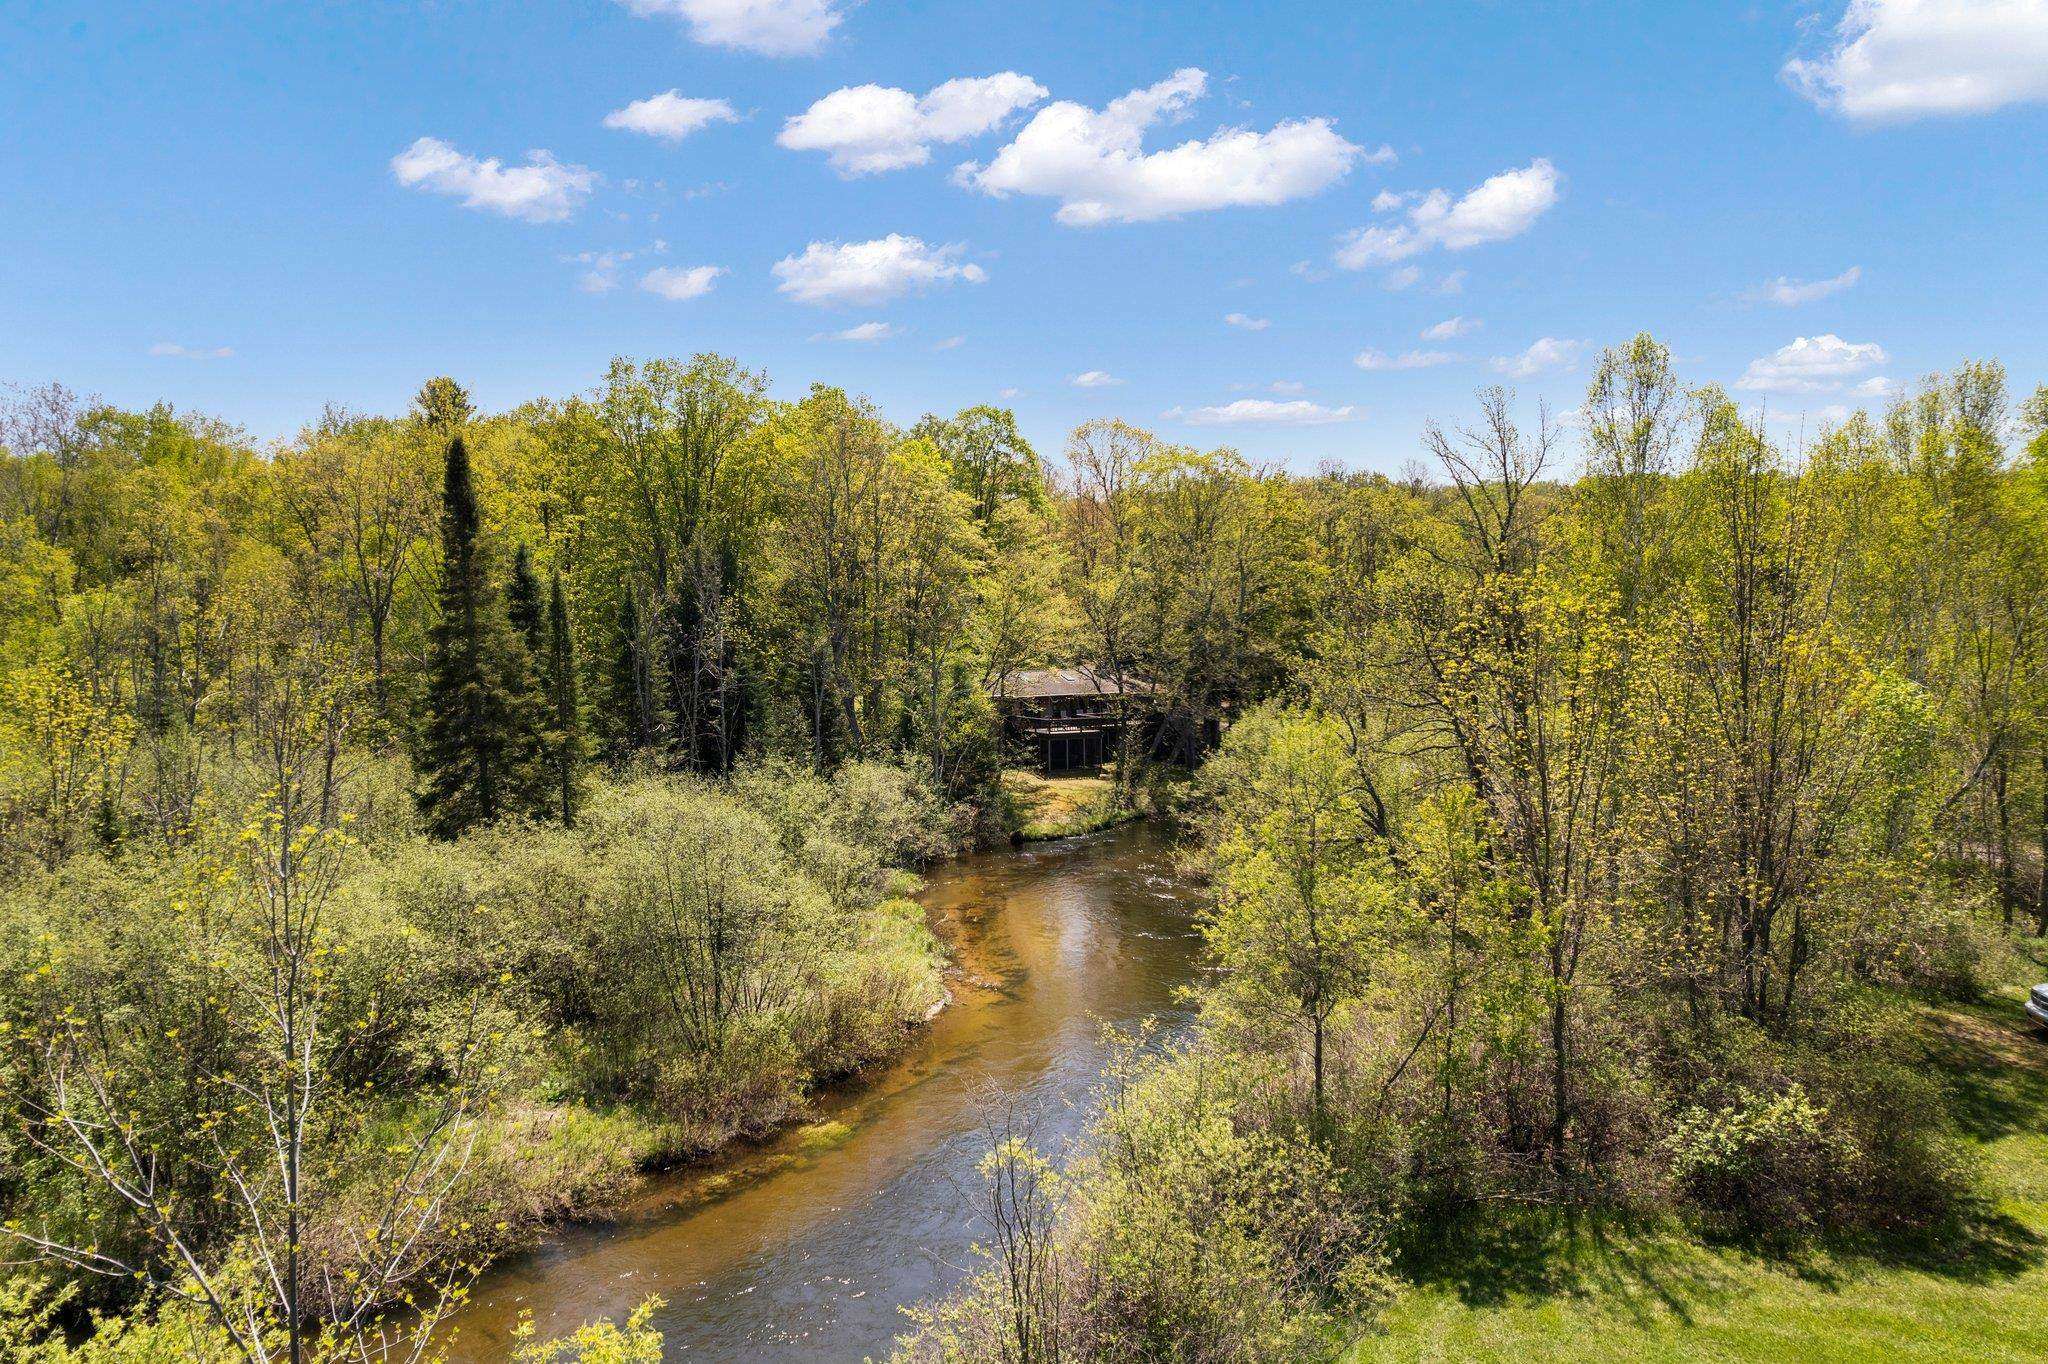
[1584, 809]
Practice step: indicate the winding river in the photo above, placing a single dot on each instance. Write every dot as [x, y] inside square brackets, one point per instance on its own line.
[807, 1248]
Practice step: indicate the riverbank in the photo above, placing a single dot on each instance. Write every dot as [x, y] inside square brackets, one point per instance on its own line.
[543, 1168]
[701, 961]
[1540, 1290]
[805, 1245]
[1040, 807]
[546, 1169]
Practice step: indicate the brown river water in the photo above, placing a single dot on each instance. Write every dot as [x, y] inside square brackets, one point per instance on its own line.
[808, 1246]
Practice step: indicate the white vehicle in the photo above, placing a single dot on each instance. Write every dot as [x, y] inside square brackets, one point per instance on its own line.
[2037, 1005]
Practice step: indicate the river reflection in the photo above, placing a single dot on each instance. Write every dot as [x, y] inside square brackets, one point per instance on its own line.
[807, 1249]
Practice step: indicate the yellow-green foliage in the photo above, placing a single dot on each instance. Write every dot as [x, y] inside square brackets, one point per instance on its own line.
[1575, 800]
[29, 1331]
[671, 972]
[1621, 809]
[1146, 1248]
[599, 1342]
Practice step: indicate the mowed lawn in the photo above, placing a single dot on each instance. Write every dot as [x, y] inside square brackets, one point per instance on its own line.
[1061, 807]
[1588, 1296]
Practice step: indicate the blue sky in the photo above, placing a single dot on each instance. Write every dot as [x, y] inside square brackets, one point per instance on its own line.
[255, 208]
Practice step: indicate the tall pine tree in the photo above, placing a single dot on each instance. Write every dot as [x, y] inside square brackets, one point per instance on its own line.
[530, 683]
[631, 682]
[523, 605]
[527, 681]
[470, 743]
[566, 732]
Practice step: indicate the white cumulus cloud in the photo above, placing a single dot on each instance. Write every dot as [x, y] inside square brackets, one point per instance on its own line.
[1247, 322]
[866, 332]
[1095, 163]
[1787, 292]
[1893, 60]
[543, 190]
[772, 28]
[1263, 412]
[1545, 355]
[1414, 359]
[1451, 328]
[671, 115]
[1500, 207]
[1094, 378]
[871, 272]
[1812, 364]
[866, 129]
[680, 284]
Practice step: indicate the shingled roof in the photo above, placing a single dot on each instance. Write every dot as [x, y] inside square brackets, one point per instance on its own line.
[1046, 684]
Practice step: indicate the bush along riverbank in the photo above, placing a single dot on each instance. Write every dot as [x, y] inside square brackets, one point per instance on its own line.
[513, 1024]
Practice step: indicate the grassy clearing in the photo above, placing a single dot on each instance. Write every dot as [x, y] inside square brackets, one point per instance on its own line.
[1595, 1292]
[1061, 807]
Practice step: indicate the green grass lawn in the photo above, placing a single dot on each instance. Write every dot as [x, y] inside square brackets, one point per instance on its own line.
[1061, 807]
[1593, 1294]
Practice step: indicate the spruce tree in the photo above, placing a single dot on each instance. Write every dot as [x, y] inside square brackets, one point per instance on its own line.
[523, 605]
[442, 406]
[467, 746]
[631, 681]
[527, 680]
[566, 733]
[531, 781]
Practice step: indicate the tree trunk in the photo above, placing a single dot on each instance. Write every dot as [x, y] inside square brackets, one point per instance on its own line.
[1560, 1111]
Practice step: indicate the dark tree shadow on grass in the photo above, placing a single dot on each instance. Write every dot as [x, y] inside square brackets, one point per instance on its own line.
[1996, 1066]
[1996, 1075]
[1491, 1256]
[1979, 1246]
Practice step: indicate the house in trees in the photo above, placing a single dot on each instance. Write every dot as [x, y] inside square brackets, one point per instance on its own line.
[1070, 718]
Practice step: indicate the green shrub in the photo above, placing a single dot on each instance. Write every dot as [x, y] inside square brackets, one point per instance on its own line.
[599, 1342]
[1761, 1164]
[671, 972]
[1192, 1234]
[30, 1333]
[1868, 1067]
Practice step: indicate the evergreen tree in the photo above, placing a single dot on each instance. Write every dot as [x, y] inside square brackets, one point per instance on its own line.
[468, 746]
[528, 679]
[442, 406]
[632, 681]
[523, 605]
[566, 734]
[531, 780]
